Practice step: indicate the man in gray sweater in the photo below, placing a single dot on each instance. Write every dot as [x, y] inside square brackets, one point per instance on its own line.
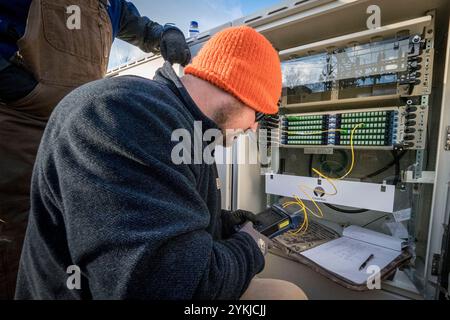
[113, 207]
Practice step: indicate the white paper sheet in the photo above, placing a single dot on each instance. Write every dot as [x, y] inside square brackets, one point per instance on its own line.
[376, 238]
[344, 257]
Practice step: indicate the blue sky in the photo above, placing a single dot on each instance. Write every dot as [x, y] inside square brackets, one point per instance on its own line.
[209, 13]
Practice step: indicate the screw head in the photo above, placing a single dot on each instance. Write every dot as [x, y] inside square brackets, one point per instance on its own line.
[416, 39]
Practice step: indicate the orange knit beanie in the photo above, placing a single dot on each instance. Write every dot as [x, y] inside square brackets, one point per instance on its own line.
[242, 62]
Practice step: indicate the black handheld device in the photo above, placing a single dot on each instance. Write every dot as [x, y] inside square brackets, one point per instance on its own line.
[276, 221]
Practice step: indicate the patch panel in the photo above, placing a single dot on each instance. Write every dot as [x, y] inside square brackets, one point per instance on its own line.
[397, 66]
[400, 127]
[377, 128]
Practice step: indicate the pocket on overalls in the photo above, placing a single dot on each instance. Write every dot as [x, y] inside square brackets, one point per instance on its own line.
[36, 105]
[62, 58]
[28, 99]
[40, 103]
[83, 40]
[66, 43]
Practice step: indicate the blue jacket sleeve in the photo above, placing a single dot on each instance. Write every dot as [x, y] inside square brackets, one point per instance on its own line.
[136, 224]
[138, 30]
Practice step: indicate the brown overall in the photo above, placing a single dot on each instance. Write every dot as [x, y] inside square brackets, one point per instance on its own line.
[61, 59]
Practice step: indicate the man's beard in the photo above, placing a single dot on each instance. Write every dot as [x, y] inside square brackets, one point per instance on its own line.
[221, 118]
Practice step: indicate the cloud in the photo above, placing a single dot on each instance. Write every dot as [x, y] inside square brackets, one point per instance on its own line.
[214, 13]
[208, 13]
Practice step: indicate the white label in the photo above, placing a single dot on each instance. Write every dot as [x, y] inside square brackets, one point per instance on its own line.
[402, 215]
[218, 184]
[398, 230]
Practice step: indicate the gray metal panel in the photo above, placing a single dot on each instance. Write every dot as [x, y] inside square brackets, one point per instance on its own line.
[225, 170]
[281, 10]
[441, 201]
[332, 19]
[248, 183]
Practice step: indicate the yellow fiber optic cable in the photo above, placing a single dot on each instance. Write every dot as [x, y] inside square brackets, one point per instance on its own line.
[298, 201]
[320, 215]
[352, 145]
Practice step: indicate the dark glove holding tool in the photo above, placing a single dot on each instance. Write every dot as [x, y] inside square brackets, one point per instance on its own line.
[244, 221]
[233, 220]
[263, 243]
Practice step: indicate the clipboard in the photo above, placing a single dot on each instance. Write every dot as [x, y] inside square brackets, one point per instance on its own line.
[286, 251]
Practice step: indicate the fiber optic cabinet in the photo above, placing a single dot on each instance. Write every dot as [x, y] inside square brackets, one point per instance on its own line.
[382, 91]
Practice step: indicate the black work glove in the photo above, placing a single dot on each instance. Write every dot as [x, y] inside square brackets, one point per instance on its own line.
[174, 47]
[232, 220]
[15, 83]
[263, 243]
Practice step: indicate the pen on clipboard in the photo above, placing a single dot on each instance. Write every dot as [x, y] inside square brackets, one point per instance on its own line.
[364, 265]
